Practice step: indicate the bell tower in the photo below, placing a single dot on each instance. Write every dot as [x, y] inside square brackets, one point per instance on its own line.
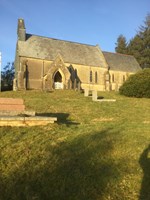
[21, 30]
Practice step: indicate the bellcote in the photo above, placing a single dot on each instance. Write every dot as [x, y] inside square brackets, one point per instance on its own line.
[21, 30]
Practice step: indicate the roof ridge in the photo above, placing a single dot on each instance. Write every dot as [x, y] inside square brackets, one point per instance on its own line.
[118, 53]
[61, 40]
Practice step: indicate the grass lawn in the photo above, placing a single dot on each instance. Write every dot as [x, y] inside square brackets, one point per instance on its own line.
[96, 151]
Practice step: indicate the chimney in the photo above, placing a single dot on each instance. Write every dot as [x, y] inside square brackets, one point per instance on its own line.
[21, 30]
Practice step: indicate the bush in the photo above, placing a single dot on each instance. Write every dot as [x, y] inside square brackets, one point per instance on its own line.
[137, 85]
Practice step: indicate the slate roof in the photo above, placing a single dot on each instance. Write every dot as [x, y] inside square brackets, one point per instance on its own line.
[121, 62]
[71, 52]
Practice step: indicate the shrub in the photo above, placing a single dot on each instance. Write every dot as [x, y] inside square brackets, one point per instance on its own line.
[137, 85]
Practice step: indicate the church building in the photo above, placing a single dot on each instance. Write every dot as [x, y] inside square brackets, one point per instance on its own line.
[44, 63]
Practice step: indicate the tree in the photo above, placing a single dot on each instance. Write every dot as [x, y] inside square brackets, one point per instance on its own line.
[121, 45]
[139, 46]
[7, 77]
[145, 35]
[135, 48]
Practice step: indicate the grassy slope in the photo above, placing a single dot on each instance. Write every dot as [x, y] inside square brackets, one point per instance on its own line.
[96, 151]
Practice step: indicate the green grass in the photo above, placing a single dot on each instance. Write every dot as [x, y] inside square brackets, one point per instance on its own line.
[96, 151]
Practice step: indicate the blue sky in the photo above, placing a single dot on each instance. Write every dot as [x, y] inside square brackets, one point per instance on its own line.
[85, 21]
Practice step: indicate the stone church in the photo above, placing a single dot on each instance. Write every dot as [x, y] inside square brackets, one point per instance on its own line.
[44, 63]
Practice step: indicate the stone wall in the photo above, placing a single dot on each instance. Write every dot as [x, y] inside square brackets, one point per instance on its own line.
[117, 78]
[40, 74]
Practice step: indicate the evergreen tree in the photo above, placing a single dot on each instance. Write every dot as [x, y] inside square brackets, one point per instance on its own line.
[121, 45]
[145, 35]
[139, 46]
[135, 48]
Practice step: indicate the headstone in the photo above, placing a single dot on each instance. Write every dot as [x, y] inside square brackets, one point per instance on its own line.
[94, 95]
[86, 92]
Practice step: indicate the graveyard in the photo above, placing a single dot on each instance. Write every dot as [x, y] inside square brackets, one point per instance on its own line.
[96, 150]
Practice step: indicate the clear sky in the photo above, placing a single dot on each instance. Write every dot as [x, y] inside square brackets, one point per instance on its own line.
[85, 21]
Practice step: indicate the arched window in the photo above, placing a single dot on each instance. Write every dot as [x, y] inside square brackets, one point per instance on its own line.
[113, 78]
[96, 79]
[90, 76]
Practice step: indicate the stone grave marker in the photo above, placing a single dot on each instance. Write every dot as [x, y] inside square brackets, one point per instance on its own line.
[86, 92]
[94, 95]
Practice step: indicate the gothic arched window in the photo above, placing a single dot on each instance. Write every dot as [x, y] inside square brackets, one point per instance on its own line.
[113, 78]
[96, 78]
[90, 76]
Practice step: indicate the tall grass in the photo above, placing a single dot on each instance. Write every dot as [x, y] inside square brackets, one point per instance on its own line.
[96, 151]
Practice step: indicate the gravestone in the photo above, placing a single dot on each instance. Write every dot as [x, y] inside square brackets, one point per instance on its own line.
[94, 95]
[86, 92]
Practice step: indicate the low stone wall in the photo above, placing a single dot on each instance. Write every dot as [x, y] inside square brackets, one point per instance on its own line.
[12, 113]
[26, 121]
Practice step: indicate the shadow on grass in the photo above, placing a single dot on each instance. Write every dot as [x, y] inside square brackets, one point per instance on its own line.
[62, 118]
[78, 169]
[100, 97]
[145, 165]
